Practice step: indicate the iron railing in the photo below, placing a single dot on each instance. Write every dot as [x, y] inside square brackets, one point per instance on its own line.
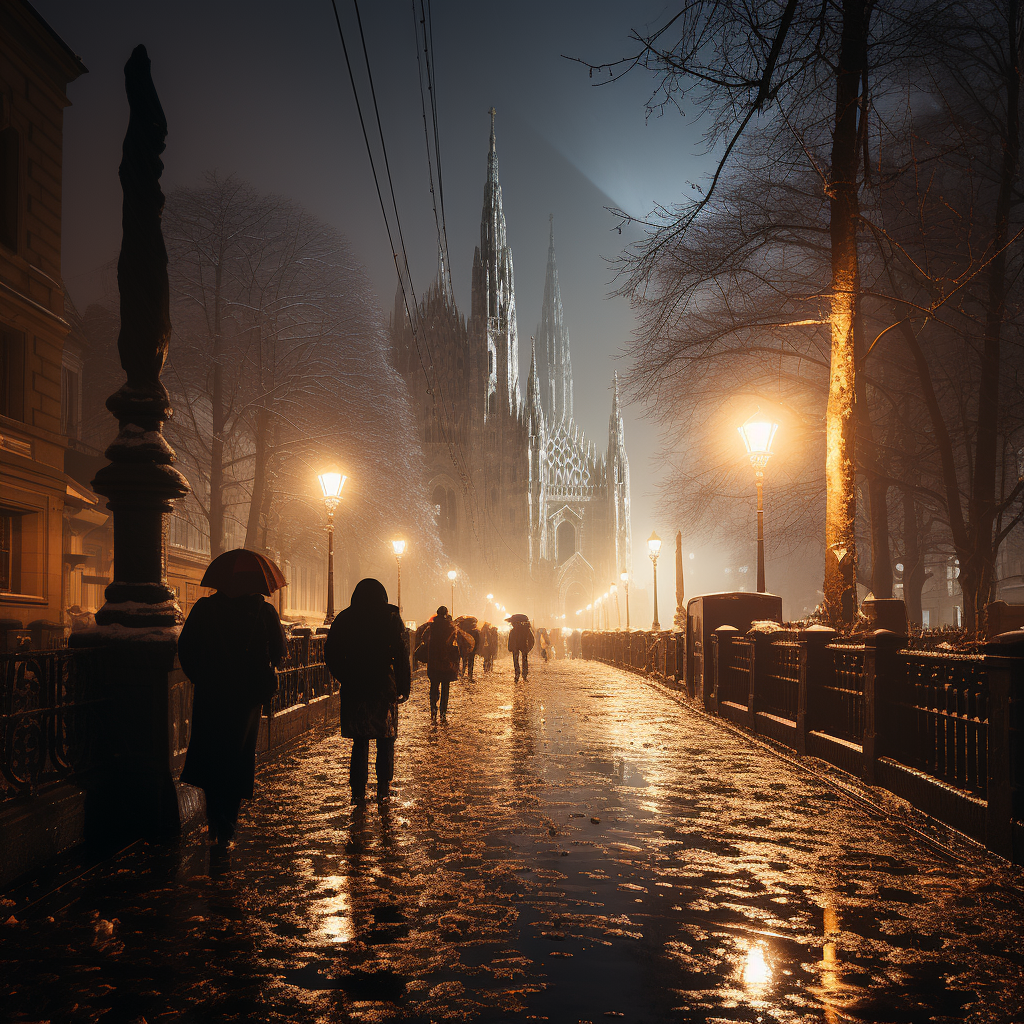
[836, 700]
[53, 714]
[779, 689]
[937, 717]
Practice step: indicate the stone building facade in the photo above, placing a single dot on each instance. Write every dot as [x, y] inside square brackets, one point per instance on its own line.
[35, 69]
[527, 507]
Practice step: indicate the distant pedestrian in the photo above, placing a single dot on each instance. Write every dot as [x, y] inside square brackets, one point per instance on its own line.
[544, 643]
[229, 647]
[441, 639]
[576, 644]
[470, 646]
[520, 643]
[366, 653]
[488, 645]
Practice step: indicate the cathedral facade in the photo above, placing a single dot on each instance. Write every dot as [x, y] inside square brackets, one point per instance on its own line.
[527, 507]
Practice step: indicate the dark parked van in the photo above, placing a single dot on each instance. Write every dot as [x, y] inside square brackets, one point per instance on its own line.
[706, 613]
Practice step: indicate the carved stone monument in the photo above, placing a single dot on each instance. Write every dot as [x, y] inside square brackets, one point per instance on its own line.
[140, 483]
[151, 700]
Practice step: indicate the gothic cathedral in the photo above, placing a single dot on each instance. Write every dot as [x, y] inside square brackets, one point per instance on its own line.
[527, 508]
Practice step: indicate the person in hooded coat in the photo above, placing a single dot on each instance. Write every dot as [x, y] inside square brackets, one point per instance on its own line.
[366, 652]
[520, 643]
[229, 647]
[443, 656]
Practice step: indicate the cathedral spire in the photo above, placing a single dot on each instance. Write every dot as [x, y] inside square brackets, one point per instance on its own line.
[555, 340]
[535, 408]
[494, 296]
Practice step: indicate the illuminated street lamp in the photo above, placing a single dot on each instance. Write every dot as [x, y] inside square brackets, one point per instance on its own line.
[654, 549]
[618, 610]
[451, 576]
[758, 434]
[624, 576]
[331, 485]
[398, 546]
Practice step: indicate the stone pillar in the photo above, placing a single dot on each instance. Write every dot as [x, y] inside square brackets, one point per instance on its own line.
[880, 668]
[141, 483]
[141, 617]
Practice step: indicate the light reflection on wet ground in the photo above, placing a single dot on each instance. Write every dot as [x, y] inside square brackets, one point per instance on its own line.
[579, 848]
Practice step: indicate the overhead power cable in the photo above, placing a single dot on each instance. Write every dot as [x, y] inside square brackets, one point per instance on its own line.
[401, 259]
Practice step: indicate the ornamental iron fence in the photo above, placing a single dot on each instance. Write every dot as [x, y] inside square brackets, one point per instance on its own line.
[944, 730]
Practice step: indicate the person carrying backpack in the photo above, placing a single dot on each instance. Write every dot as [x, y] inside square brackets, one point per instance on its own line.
[520, 643]
[443, 656]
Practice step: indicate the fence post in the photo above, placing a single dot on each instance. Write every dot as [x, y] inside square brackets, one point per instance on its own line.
[1005, 783]
[721, 644]
[814, 672]
[758, 667]
[880, 673]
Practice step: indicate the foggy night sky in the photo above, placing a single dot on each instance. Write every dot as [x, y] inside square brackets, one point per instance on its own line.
[260, 90]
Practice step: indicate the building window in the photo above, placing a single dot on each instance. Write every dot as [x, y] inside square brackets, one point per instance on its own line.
[12, 374]
[490, 362]
[9, 188]
[10, 552]
[68, 402]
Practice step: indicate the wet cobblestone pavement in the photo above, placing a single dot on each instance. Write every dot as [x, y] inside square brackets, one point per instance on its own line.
[578, 848]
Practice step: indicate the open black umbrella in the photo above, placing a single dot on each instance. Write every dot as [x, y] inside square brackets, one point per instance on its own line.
[242, 571]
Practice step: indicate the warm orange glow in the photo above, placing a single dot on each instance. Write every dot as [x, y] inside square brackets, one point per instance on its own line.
[654, 545]
[399, 547]
[758, 434]
[331, 485]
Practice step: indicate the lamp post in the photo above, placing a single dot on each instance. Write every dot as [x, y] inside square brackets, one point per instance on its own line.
[618, 609]
[451, 576]
[624, 576]
[654, 549]
[398, 546]
[590, 608]
[758, 434]
[331, 485]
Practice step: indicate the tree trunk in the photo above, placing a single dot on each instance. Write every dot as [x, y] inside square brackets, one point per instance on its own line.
[914, 575]
[878, 513]
[219, 419]
[259, 479]
[977, 563]
[840, 586]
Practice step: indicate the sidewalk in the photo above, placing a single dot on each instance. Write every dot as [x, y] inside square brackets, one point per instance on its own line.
[578, 848]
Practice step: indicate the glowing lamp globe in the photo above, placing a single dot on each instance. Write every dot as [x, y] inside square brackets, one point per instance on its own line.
[331, 485]
[452, 574]
[654, 545]
[490, 597]
[624, 576]
[758, 434]
[398, 546]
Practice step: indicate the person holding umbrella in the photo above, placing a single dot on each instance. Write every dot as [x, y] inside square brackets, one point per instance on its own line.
[520, 642]
[229, 648]
[366, 652]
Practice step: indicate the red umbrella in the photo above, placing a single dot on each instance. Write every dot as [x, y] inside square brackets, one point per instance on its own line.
[243, 572]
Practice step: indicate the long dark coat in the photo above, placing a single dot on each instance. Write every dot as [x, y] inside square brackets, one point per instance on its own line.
[443, 650]
[212, 648]
[366, 652]
[521, 638]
